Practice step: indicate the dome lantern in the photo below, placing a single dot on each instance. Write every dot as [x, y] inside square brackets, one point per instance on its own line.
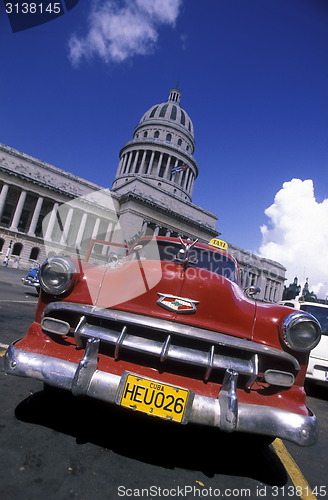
[175, 95]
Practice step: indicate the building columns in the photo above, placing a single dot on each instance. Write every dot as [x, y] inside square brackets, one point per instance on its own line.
[159, 164]
[81, 230]
[135, 162]
[3, 196]
[150, 166]
[35, 217]
[124, 160]
[95, 231]
[109, 232]
[167, 168]
[144, 227]
[129, 163]
[190, 182]
[51, 222]
[18, 211]
[67, 225]
[142, 166]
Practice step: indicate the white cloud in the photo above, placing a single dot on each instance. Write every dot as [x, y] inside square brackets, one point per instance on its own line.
[116, 33]
[297, 235]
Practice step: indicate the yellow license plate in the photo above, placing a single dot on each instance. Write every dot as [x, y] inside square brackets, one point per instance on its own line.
[154, 398]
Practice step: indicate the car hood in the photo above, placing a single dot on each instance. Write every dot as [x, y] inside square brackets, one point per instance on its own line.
[149, 288]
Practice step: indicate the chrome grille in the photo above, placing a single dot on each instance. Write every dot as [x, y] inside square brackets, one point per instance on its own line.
[163, 342]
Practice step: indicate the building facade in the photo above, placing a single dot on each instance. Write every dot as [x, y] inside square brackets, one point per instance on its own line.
[46, 211]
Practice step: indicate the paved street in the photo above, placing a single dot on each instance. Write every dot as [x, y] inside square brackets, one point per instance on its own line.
[58, 447]
[17, 304]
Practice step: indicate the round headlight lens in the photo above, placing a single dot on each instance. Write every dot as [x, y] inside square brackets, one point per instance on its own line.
[301, 331]
[57, 275]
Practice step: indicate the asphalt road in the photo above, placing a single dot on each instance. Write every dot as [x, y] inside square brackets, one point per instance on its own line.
[56, 447]
[17, 304]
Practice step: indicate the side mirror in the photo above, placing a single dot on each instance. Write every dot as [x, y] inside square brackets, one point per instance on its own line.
[253, 290]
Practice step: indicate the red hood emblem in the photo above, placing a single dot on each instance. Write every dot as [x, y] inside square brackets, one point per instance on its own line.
[176, 304]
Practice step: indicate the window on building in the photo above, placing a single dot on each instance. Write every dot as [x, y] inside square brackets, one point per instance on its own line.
[38, 229]
[183, 118]
[153, 111]
[162, 170]
[173, 113]
[252, 277]
[17, 249]
[243, 278]
[163, 111]
[22, 225]
[168, 137]
[2, 242]
[34, 254]
[145, 134]
[179, 142]
[156, 135]
[7, 215]
[138, 165]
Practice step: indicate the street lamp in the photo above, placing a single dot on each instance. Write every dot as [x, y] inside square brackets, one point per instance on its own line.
[8, 253]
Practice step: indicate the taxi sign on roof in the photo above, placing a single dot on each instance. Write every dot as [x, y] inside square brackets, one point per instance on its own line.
[218, 243]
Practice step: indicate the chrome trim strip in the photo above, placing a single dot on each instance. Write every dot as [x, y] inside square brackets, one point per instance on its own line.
[77, 335]
[119, 342]
[253, 377]
[256, 419]
[210, 363]
[165, 349]
[163, 325]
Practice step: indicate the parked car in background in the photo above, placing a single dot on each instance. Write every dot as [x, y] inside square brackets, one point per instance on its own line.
[163, 328]
[32, 278]
[317, 369]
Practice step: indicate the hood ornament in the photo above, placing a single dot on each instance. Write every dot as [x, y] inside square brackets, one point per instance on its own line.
[184, 256]
[176, 304]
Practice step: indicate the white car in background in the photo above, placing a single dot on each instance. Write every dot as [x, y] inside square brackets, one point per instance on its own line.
[318, 362]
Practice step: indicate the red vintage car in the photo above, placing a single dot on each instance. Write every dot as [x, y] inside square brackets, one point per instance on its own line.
[163, 328]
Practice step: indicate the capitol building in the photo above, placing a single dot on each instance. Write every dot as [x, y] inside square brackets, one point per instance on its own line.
[42, 206]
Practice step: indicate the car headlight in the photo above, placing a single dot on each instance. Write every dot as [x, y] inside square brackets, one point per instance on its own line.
[301, 331]
[57, 275]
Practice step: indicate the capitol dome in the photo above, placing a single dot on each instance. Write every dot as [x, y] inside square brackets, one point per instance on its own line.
[171, 112]
[161, 150]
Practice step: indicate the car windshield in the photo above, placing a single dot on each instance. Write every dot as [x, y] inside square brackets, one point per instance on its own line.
[203, 258]
[106, 253]
[321, 313]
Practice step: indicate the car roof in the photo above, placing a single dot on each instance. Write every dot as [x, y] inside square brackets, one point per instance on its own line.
[298, 303]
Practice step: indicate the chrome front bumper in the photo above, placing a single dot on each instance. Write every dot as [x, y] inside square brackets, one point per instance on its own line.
[225, 412]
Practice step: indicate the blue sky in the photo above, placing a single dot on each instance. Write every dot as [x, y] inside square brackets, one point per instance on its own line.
[253, 76]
